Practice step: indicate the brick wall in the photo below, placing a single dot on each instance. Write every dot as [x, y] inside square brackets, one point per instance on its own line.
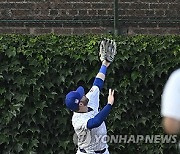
[89, 16]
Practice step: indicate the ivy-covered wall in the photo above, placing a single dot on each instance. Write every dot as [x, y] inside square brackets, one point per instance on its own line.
[37, 71]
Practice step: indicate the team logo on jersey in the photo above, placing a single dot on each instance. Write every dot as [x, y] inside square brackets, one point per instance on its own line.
[82, 139]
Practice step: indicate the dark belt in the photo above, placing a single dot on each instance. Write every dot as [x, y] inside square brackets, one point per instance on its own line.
[100, 151]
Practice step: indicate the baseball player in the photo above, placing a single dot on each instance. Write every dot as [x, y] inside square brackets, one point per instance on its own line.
[170, 107]
[88, 120]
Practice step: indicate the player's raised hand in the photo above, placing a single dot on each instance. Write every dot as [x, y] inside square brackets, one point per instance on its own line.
[111, 97]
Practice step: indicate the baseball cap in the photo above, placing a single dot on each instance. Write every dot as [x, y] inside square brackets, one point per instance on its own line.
[73, 98]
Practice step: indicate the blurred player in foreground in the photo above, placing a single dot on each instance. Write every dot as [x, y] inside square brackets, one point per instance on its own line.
[170, 107]
[87, 120]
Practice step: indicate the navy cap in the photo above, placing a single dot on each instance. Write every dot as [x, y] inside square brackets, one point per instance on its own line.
[73, 98]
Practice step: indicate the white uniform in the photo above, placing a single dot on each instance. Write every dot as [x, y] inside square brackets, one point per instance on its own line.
[170, 106]
[87, 138]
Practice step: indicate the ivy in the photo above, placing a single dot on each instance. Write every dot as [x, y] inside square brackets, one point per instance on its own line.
[37, 71]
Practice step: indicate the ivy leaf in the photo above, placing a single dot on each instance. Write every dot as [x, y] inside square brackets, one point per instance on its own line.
[134, 75]
[35, 142]
[20, 97]
[11, 52]
[9, 96]
[19, 147]
[2, 90]
[1, 77]
[3, 138]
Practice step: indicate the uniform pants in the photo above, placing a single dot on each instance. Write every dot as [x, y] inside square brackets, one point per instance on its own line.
[79, 152]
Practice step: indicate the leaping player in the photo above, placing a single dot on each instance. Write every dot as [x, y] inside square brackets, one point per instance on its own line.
[87, 120]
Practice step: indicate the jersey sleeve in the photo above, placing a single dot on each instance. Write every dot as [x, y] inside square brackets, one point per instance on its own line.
[170, 105]
[99, 118]
[93, 96]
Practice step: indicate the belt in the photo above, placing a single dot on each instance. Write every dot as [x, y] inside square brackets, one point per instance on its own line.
[99, 151]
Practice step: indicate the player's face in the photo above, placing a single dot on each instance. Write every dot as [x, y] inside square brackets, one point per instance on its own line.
[85, 100]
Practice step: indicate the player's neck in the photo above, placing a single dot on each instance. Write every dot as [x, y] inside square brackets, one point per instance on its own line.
[84, 109]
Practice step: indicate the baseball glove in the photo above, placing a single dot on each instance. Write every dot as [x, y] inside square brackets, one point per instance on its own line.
[107, 50]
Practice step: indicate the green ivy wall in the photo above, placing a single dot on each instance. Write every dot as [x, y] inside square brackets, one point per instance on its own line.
[37, 71]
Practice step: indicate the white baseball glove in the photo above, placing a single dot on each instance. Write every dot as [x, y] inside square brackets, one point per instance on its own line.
[107, 50]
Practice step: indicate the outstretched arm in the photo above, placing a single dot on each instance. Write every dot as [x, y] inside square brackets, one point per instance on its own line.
[102, 115]
[99, 118]
[100, 77]
[107, 53]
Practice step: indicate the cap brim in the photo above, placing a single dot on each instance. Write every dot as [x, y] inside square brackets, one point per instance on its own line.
[80, 90]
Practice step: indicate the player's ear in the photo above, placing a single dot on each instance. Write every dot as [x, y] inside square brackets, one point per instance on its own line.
[81, 104]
